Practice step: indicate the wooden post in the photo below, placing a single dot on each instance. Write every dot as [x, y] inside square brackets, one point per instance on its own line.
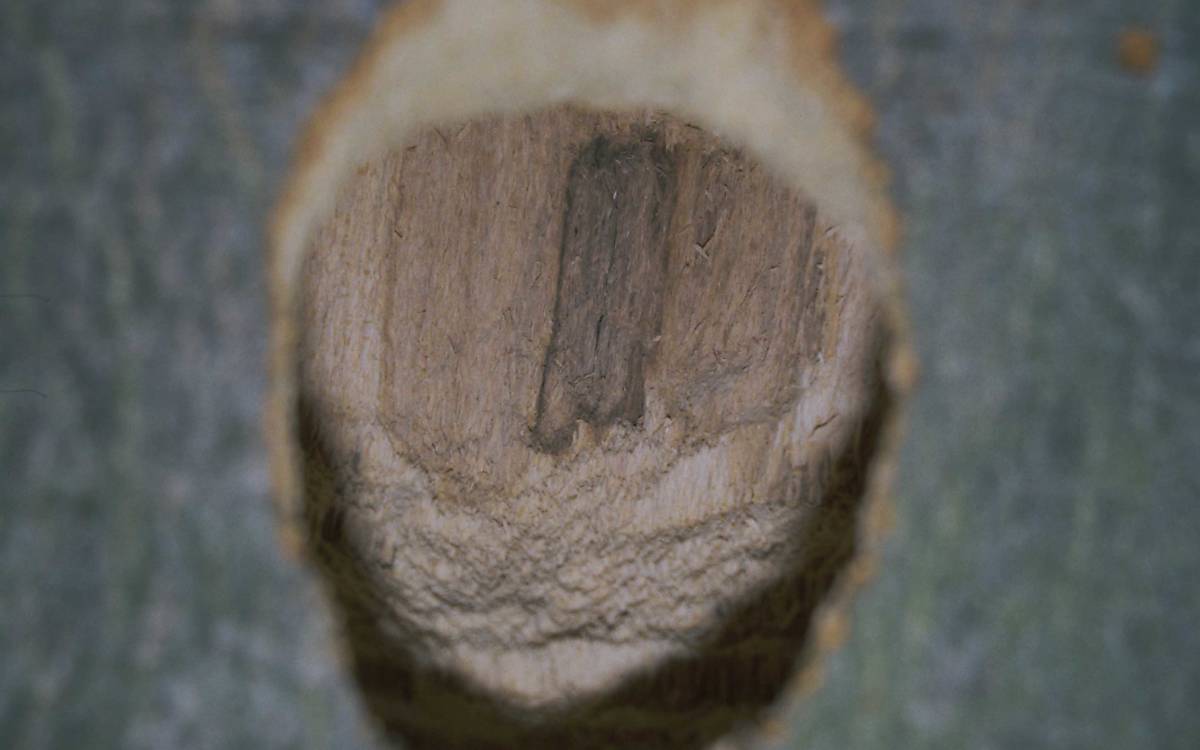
[587, 353]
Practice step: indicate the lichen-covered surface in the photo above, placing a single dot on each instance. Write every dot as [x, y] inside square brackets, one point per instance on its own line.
[143, 600]
[1040, 589]
[1040, 585]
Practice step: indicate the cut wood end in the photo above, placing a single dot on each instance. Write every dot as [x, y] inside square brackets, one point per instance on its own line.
[588, 399]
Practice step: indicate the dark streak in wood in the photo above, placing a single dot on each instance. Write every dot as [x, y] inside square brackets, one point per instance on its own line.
[608, 308]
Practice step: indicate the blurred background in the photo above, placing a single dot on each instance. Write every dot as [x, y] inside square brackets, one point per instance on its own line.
[1041, 586]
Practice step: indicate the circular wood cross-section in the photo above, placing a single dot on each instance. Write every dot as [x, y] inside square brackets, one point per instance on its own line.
[587, 401]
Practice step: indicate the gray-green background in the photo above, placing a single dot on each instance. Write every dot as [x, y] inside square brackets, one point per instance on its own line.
[1039, 590]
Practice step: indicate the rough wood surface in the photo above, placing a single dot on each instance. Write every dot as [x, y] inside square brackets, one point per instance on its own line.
[608, 305]
[585, 396]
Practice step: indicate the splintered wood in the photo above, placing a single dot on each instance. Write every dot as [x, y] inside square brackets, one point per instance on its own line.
[586, 404]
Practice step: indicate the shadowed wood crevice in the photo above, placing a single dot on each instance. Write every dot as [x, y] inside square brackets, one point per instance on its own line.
[587, 405]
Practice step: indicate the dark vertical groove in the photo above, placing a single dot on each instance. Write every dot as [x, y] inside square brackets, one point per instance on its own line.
[608, 306]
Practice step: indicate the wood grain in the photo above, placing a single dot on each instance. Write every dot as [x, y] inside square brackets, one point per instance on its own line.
[580, 392]
[608, 308]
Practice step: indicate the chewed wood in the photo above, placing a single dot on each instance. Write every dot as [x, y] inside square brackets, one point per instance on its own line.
[583, 393]
[447, 261]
